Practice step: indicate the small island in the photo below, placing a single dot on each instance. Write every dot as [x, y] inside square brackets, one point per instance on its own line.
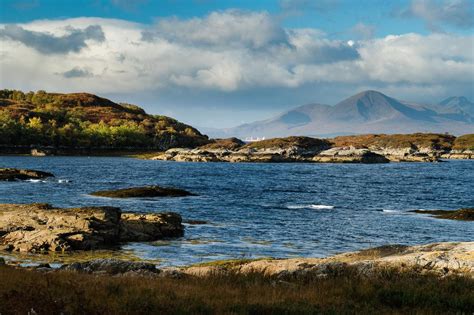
[142, 192]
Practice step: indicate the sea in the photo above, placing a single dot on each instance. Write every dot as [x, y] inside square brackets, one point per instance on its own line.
[257, 210]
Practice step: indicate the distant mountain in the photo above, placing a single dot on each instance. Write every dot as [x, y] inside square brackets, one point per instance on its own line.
[456, 106]
[365, 112]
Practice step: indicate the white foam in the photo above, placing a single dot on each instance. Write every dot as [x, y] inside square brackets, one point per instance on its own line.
[63, 181]
[36, 181]
[318, 207]
[390, 211]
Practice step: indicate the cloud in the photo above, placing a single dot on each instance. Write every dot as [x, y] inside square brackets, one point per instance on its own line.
[439, 13]
[363, 31]
[252, 53]
[77, 73]
[46, 43]
[230, 28]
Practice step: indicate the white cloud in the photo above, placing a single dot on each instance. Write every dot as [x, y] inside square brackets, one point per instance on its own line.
[363, 30]
[227, 51]
[436, 13]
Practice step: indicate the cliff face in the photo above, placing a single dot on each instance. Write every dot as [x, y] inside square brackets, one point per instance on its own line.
[82, 120]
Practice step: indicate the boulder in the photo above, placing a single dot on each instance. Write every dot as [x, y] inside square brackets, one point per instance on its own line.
[42, 228]
[13, 174]
[136, 227]
[146, 191]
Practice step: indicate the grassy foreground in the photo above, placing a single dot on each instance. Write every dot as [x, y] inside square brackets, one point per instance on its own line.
[22, 291]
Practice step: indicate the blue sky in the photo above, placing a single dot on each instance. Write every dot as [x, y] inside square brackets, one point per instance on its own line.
[221, 63]
[333, 16]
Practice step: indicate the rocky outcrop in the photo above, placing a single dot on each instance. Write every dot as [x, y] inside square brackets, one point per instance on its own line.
[43, 228]
[13, 174]
[291, 154]
[291, 149]
[349, 155]
[440, 258]
[347, 149]
[460, 215]
[140, 192]
[464, 154]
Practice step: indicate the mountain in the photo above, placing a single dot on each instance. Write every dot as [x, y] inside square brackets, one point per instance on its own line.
[365, 112]
[456, 107]
[86, 121]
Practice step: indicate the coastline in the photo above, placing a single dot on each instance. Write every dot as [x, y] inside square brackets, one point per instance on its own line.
[427, 279]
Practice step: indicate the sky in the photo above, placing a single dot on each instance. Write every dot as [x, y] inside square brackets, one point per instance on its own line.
[216, 63]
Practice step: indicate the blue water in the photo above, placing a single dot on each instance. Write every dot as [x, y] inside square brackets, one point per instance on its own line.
[255, 210]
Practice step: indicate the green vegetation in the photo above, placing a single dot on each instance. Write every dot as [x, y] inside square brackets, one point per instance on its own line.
[461, 214]
[397, 141]
[25, 291]
[464, 142]
[81, 120]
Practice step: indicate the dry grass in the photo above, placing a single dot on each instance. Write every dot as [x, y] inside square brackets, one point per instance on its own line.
[465, 142]
[223, 144]
[283, 143]
[429, 140]
[390, 293]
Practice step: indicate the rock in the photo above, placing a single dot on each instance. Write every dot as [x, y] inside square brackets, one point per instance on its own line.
[349, 155]
[440, 259]
[196, 222]
[42, 152]
[147, 191]
[42, 228]
[461, 214]
[135, 227]
[2, 261]
[12, 174]
[111, 266]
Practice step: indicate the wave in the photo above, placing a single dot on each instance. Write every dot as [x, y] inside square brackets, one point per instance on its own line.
[35, 181]
[318, 207]
[61, 181]
[391, 211]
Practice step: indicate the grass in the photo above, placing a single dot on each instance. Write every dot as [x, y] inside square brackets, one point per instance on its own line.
[419, 140]
[465, 142]
[25, 291]
[284, 143]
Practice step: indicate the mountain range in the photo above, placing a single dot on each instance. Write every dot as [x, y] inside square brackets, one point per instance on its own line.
[365, 112]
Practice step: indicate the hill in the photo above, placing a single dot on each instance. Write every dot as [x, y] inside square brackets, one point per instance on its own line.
[82, 120]
[365, 112]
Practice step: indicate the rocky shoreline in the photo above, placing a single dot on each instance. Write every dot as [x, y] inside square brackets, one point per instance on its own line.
[349, 149]
[42, 228]
[439, 259]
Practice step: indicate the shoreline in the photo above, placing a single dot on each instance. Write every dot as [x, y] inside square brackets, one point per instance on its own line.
[440, 259]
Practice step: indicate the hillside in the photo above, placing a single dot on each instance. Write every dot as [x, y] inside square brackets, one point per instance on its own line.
[363, 113]
[82, 120]
[397, 141]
